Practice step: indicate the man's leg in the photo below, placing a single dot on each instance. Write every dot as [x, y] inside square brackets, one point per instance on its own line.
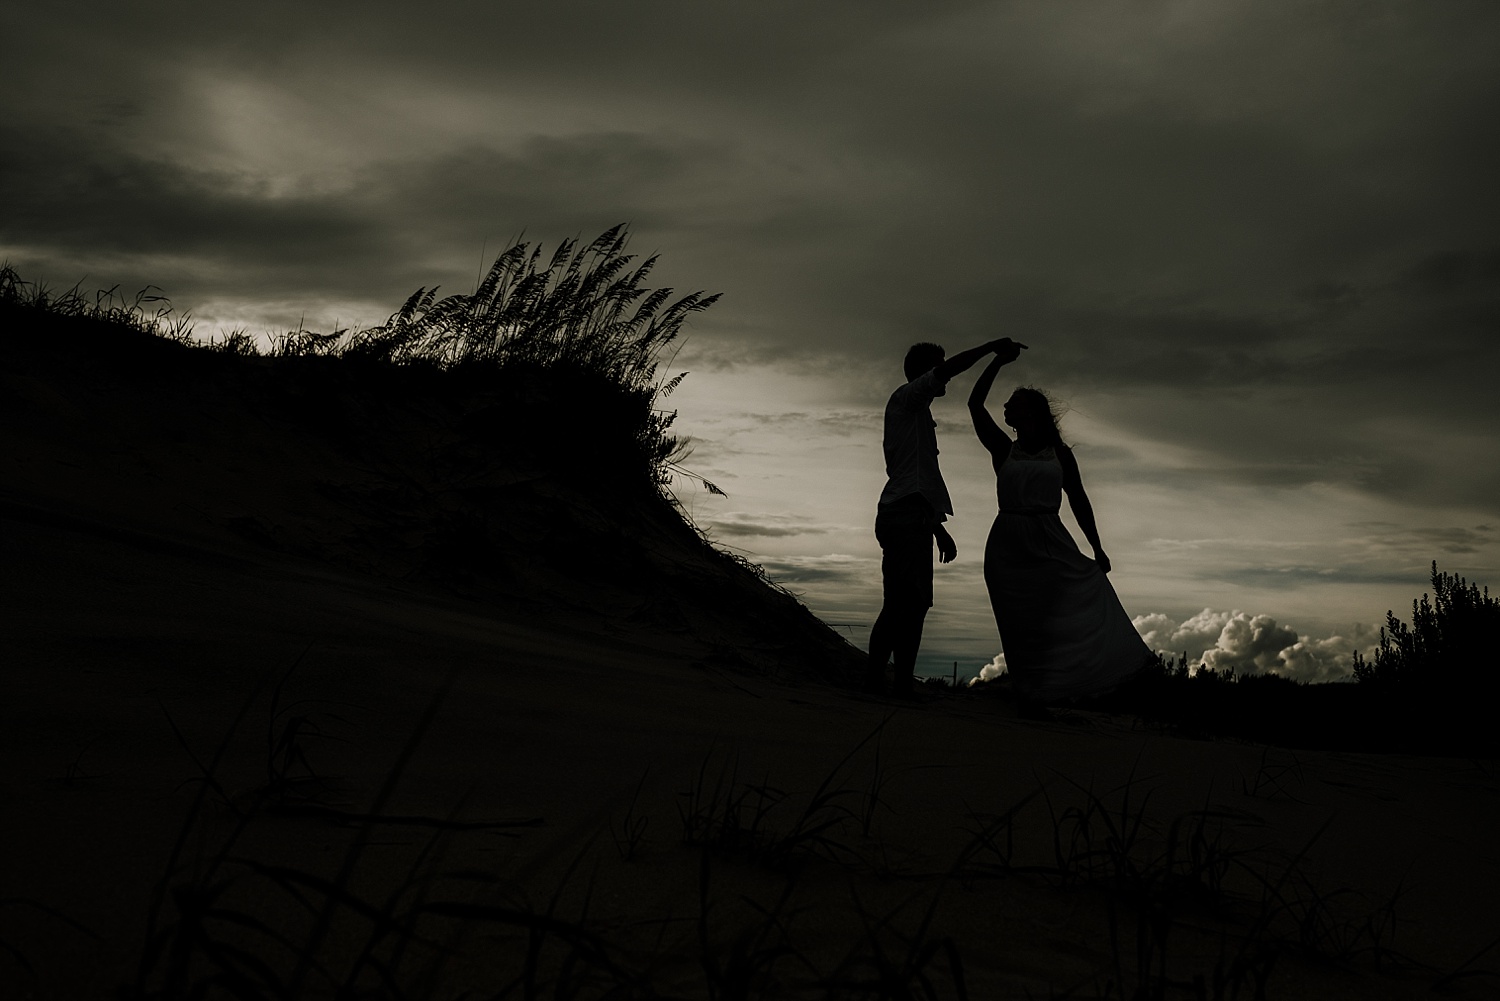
[898, 632]
[882, 645]
[883, 632]
[908, 639]
[905, 538]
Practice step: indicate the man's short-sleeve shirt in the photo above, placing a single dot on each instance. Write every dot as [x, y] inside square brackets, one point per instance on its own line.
[911, 452]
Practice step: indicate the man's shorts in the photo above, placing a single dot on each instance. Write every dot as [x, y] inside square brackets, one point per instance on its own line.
[904, 531]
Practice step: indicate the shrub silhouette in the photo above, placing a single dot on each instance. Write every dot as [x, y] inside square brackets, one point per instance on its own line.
[1448, 650]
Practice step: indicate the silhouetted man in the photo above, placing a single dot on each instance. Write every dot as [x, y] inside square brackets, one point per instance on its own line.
[913, 507]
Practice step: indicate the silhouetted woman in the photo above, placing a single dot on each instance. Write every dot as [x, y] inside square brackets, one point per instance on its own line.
[1063, 629]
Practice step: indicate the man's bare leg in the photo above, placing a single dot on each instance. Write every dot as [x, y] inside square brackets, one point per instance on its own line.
[882, 645]
[898, 633]
[908, 641]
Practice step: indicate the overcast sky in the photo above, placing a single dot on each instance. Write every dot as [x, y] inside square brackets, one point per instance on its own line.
[1253, 246]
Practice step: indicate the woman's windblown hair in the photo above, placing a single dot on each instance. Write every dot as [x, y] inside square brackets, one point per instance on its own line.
[1039, 405]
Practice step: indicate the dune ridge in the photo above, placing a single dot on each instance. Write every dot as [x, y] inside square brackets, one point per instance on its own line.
[336, 678]
[521, 489]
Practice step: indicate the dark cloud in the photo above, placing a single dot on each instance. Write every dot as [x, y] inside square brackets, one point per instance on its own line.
[1261, 233]
[1419, 539]
[1455, 540]
[838, 423]
[841, 570]
[1452, 270]
[1284, 577]
[79, 201]
[1406, 422]
[766, 525]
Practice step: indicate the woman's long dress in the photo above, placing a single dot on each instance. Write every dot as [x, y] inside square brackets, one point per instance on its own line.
[1063, 629]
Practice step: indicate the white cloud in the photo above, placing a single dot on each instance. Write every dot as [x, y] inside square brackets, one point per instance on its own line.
[992, 670]
[1250, 644]
[1192, 636]
[1255, 643]
[1328, 659]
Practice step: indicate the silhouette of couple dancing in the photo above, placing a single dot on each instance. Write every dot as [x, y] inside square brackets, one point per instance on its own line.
[1064, 632]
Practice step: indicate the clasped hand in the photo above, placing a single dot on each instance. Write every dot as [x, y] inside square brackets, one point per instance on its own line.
[1007, 349]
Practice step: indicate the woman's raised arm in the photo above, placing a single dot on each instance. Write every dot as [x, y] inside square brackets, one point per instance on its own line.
[990, 434]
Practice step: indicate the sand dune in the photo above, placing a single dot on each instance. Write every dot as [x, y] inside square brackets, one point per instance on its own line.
[593, 689]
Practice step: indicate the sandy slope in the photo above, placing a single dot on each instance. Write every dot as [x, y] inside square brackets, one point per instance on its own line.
[162, 563]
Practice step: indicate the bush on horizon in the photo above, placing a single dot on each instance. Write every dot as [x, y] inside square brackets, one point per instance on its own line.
[1428, 689]
[1449, 647]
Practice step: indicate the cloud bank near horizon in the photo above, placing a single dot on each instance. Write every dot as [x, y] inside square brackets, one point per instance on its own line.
[1255, 644]
[1245, 644]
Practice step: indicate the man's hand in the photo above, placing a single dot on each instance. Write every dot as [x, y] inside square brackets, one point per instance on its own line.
[946, 548]
[1007, 349]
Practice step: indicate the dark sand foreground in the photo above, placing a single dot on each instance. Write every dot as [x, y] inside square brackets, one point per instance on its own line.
[600, 747]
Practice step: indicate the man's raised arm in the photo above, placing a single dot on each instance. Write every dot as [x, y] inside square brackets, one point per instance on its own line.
[965, 360]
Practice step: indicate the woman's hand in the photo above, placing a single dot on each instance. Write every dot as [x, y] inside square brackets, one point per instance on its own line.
[1006, 349]
[1102, 559]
